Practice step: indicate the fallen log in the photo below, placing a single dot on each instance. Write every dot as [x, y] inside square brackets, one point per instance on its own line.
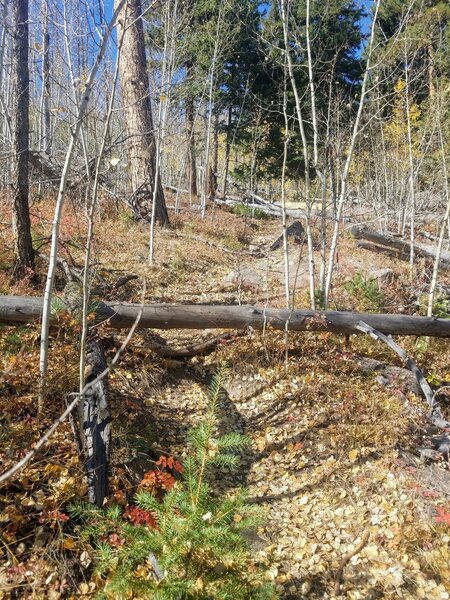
[441, 444]
[390, 241]
[23, 309]
[384, 250]
[44, 165]
[161, 347]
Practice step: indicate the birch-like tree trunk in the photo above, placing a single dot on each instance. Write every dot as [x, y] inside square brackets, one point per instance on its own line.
[75, 131]
[349, 158]
[227, 152]
[412, 175]
[46, 86]
[445, 220]
[190, 123]
[23, 245]
[284, 14]
[141, 145]
[212, 80]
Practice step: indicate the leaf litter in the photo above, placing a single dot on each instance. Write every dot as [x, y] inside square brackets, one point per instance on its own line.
[332, 456]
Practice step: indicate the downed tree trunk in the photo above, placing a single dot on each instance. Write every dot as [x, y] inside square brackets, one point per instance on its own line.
[441, 444]
[94, 419]
[390, 241]
[53, 172]
[23, 309]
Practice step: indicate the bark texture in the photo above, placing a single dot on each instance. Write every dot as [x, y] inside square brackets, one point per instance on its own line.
[141, 145]
[23, 309]
[96, 424]
[23, 246]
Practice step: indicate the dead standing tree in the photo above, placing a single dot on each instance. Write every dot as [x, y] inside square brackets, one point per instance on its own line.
[141, 145]
[24, 253]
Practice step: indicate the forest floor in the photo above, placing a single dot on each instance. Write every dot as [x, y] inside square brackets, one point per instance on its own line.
[333, 452]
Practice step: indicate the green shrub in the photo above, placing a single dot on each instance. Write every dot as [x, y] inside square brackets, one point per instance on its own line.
[244, 210]
[188, 544]
[13, 342]
[178, 261]
[366, 290]
[441, 307]
[126, 218]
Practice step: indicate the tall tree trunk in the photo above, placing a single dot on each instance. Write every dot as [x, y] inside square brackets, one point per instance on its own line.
[46, 89]
[431, 72]
[190, 119]
[227, 152]
[23, 246]
[213, 168]
[141, 144]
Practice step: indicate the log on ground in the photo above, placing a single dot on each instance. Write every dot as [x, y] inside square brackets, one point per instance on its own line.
[404, 246]
[23, 309]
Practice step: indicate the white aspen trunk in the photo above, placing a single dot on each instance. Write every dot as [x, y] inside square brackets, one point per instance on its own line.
[75, 130]
[210, 105]
[284, 12]
[283, 196]
[312, 93]
[411, 177]
[323, 215]
[74, 90]
[442, 229]
[283, 205]
[90, 232]
[46, 142]
[3, 104]
[344, 177]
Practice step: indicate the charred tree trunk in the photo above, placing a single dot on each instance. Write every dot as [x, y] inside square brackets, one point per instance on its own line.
[141, 145]
[190, 132]
[93, 410]
[96, 424]
[23, 245]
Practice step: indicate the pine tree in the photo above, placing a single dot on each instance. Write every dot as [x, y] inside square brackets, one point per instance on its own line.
[337, 65]
[189, 543]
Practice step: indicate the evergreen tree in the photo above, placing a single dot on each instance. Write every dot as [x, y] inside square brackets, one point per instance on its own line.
[189, 544]
[337, 38]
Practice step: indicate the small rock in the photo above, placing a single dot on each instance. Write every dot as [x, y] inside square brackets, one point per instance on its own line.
[243, 278]
[255, 250]
[383, 276]
[295, 231]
